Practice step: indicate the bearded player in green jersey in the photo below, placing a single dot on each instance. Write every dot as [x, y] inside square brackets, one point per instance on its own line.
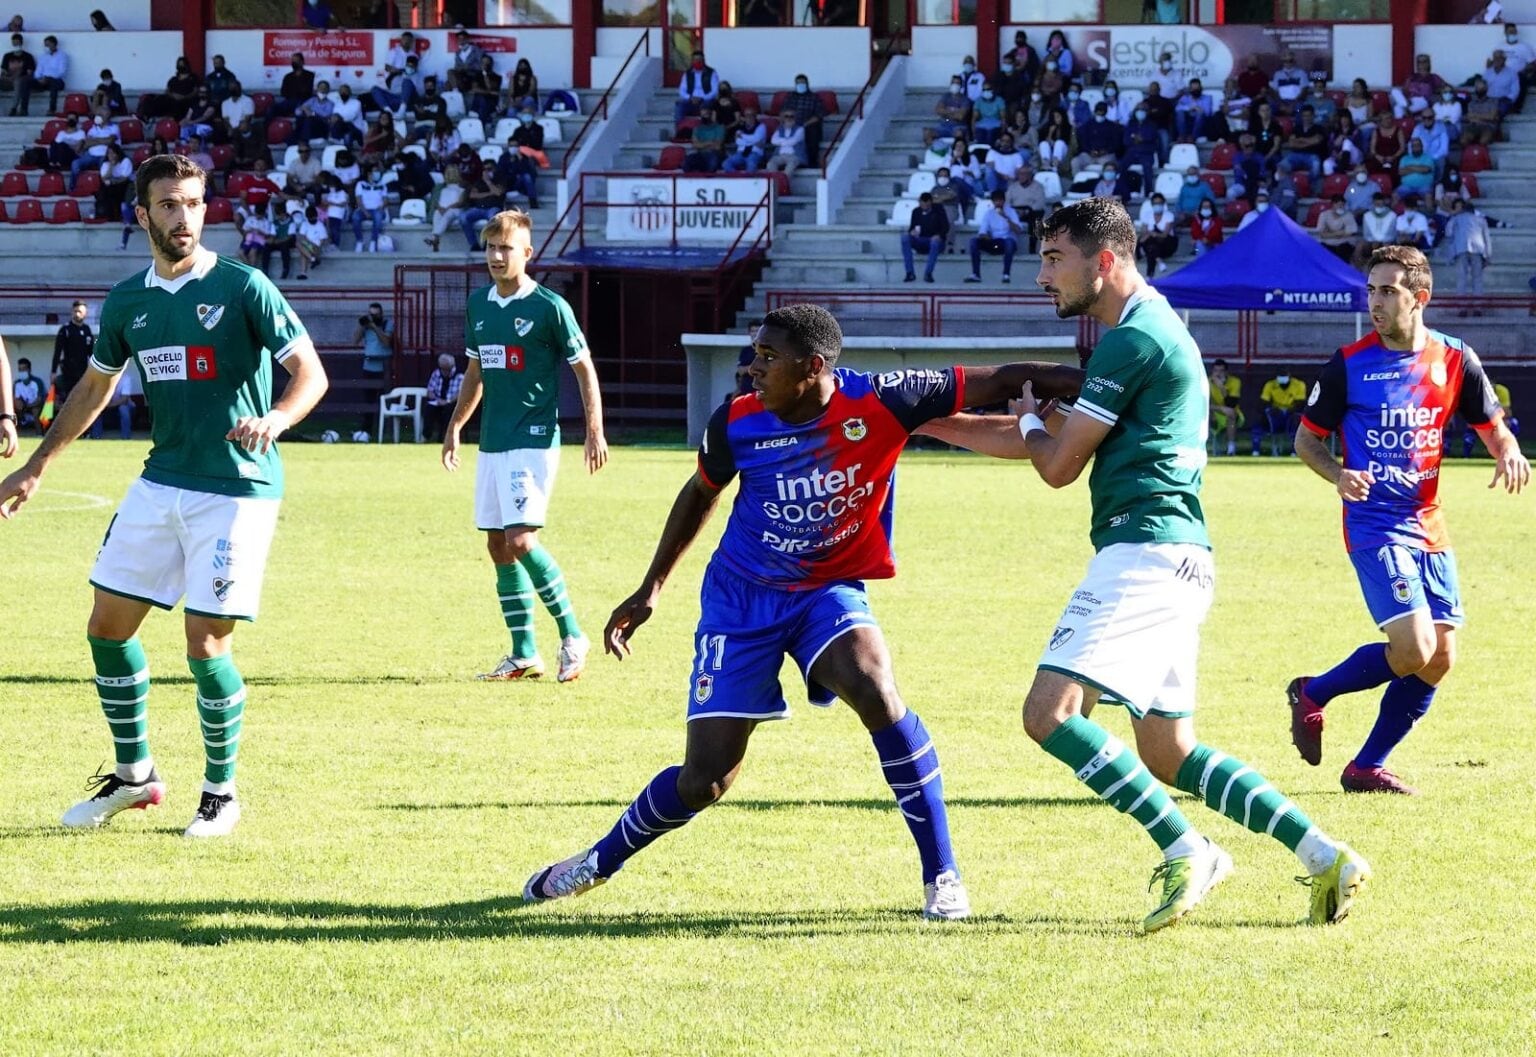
[203, 331]
[516, 333]
[1130, 634]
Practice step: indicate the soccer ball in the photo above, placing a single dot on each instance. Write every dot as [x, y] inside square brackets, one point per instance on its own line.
[361, 436]
[330, 436]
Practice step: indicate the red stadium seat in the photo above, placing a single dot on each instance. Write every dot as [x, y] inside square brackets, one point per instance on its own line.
[65, 211]
[1315, 211]
[51, 128]
[262, 101]
[829, 100]
[49, 184]
[278, 130]
[779, 99]
[167, 129]
[14, 185]
[1383, 182]
[1216, 182]
[1470, 181]
[223, 156]
[140, 154]
[684, 131]
[747, 99]
[1380, 101]
[1286, 124]
[235, 186]
[1475, 158]
[1222, 155]
[4, 218]
[131, 129]
[1334, 184]
[76, 103]
[1303, 184]
[219, 211]
[672, 158]
[1340, 97]
[1235, 211]
[88, 183]
[28, 211]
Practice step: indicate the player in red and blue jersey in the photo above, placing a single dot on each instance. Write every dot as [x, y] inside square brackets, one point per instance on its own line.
[1392, 395]
[815, 448]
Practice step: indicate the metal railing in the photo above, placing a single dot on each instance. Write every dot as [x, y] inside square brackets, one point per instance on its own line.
[601, 109]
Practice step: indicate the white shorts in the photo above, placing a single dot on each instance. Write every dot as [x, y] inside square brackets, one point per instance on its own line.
[1132, 628]
[167, 542]
[513, 487]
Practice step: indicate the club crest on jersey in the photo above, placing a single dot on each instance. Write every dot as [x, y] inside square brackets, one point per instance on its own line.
[1060, 636]
[1437, 373]
[522, 326]
[855, 429]
[209, 315]
[703, 687]
[221, 587]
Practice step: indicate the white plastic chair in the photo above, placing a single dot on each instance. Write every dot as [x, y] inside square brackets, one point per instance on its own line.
[937, 155]
[1093, 97]
[402, 402]
[328, 159]
[1182, 155]
[919, 182]
[417, 149]
[1169, 183]
[504, 129]
[290, 156]
[489, 152]
[552, 132]
[901, 213]
[983, 207]
[471, 131]
[1051, 181]
[413, 213]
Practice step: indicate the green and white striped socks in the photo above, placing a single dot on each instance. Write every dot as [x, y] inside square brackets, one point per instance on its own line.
[515, 591]
[122, 684]
[549, 583]
[1245, 796]
[220, 709]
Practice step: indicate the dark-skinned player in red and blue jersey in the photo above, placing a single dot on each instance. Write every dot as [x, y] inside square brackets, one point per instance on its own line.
[1393, 394]
[815, 448]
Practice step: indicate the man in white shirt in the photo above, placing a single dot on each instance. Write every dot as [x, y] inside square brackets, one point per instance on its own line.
[232, 111]
[68, 143]
[997, 232]
[1156, 239]
[400, 78]
[788, 146]
[347, 125]
[101, 133]
[1166, 77]
[369, 197]
[52, 65]
[1412, 227]
[1516, 52]
[700, 85]
[1288, 80]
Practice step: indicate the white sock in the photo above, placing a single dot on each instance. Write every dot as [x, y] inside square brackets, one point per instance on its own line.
[1189, 842]
[1316, 851]
[219, 788]
[135, 773]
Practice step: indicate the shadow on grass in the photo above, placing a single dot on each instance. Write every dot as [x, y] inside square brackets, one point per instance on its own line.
[840, 803]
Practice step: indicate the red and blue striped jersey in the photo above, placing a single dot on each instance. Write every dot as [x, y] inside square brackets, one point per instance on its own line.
[1393, 408]
[814, 505]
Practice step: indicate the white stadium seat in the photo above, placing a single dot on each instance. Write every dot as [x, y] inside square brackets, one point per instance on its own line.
[1169, 183]
[504, 129]
[919, 182]
[901, 213]
[413, 212]
[1051, 181]
[471, 131]
[1183, 155]
[552, 132]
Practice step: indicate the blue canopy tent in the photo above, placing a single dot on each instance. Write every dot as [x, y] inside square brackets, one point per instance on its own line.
[1272, 265]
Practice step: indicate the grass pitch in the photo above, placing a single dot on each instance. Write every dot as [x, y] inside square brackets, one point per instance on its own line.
[369, 902]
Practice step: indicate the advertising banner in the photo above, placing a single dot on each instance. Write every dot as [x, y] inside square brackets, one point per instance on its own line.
[342, 48]
[692, 210]
[1130, 54]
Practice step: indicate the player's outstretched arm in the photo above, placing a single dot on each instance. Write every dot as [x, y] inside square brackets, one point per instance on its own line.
[87, 399]
[596, 447]
[995, 435]
[307, 383]
[1509, 462]
[690, 511]
[995, 383]
[1352, 485]
[469, 399]
[1059, 460]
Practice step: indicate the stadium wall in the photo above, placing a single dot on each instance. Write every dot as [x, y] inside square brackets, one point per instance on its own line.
[1458, 52]
[51, 16]
[830, 57]
[937, 52]
[139, 60]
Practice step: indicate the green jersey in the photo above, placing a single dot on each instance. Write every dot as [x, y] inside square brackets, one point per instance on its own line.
[204, 344]
[1145, 381]
[519, 342]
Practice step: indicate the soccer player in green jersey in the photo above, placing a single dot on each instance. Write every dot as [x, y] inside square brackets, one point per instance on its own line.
[1130, 634]
[203, 331]
[516, 333]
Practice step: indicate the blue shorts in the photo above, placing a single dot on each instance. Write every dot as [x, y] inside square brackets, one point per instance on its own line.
[1398, 581]
[746, 628]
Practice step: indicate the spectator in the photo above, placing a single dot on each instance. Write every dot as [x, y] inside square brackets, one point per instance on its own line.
[382, 142]
[1307, 144]
[1003, 164]
[788, 145]
[1378, 228]
[443, 143]
[116, 181]
[1026, 197]
[317, 14]
[220, 80]
[261, 187]
[232, 111]
[1448, 111]
[1160, 112]
[1337, 229]
[416, 175]
[442, 394]
[700, 85]
[1056, 141]
[522, 89]
[1522, 59]
[1502, 81]
[746, 150]
[1412, 226]
[48, 75]
[484, 88]
[400, 76]
[1025, 136]
[337, 204]
[1250, 169]
[1025, 57]
[809, 113]
[180, 91]
[467, 58]
[927, 233]
[377, 337]
[1358, 103]
[311, 239]
[965, 169]
[1416, 170]
[1205, 229]
[1268, 134]
[1050, 84]
[953, 111]
[1253, 82]
[1099, 142]
[1418, 91]
[951, 195]
[997, 232]
[28, 393]
[468, 161]
[1011, 84]
[1344, 150]
[1436, 140]
[1165, 77]
[128, 387]
[369, 198]
[1056, 51]
[1226, 392]
[100, 23]
[67, 143]
[280, 240]
[484, 198]
[1156, 237]
[1316, 96]
[109, 96]
[1079, 113]
[297, 88]
[1108, 183]
[1288, 81]
[16, 68]
[1142, 143]
[1280, 404]
[971, 78]
[708, 143]
[250, 145]
[1260, 207]
[426, 111]
[72, 347]
[1193, 194]
[1283, 192]
[453, 98]
[253, 221]
[727, 109]
[444, 206]
[98, 137]
[1388, 143]
[1470, 246]
[200, 116]
[1193, 113]
[1360, 192]
[347, 122]
[1120, 107]
[1483, 118]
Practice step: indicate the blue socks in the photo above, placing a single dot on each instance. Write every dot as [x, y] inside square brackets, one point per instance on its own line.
[657, 811]
[1361, 670]
[1404, 704]
[911, 767]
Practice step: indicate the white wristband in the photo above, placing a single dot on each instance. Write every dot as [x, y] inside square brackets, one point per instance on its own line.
[1029, 424]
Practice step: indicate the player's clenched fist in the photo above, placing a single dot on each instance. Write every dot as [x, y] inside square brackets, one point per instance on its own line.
[1355, 485]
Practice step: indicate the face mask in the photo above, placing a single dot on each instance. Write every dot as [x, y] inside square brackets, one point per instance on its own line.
[1156, 208]
[698, 64]
[323, 95]
[1511, 38]
[1205, 212]
[801, 86]
[942, 181]
[1481, 92]
[1283, 379]
[1141, 115]
[1007, 68]
[1262, 206]
[526, 119]
[1098, 117]
[1447, 96]
[1110, 93]
[1361, 177]
[1035, 97]
[954, 87]
[988, 94]
[1165, 67]
[1339, 209]
[1380, 211]
[1072, 95]
[23, 376]
[968, 68]
[1109, 174]
[1191, 180]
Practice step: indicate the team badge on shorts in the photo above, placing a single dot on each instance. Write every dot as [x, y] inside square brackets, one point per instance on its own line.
[1401, 591]
[703, 687]
[209, 315]
[221, 588]
[1060, 636]
[854, 429]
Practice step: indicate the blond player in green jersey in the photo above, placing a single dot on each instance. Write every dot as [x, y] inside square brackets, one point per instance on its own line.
[516, 333]
[203, 331]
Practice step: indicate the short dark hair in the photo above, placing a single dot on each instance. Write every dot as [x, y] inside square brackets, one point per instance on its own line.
[812, 330]
[165, 167]
[22, 361]
[1416, 273]
[925, 197]
[1336, 199]
[1093, 224]
[375, 304]
[1218, 362]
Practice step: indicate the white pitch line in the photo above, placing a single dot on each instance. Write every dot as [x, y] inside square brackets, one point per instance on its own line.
[85, 501]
